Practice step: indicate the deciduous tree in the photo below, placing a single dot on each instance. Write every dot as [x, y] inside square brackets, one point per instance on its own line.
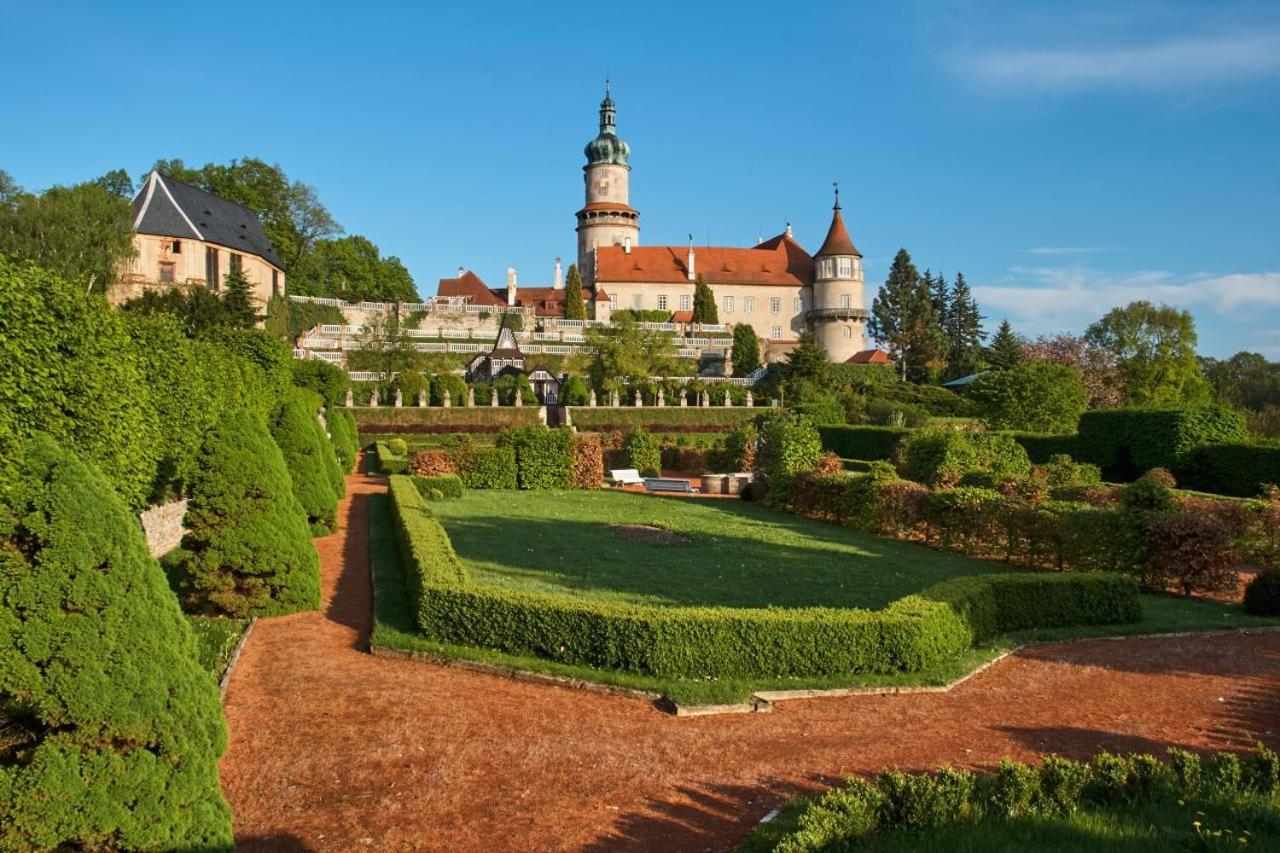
[1034, 395]
[1154, 347]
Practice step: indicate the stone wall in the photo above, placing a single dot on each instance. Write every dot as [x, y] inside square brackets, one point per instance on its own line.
[162, 525]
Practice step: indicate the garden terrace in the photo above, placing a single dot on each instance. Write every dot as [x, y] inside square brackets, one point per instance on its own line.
[435, 419]
[662, 419]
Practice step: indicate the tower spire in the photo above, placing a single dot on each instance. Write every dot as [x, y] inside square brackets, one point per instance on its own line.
[836, 184]
[608, 116]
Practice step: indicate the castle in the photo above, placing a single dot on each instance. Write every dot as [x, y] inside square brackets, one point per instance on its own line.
[775, 286]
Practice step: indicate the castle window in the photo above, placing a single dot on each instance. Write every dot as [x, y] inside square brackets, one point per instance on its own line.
[797, 305]
[846, 267]
[776, 332]
[237, 262]
[749, 304]
[177, 247]
[166, 273]
[846, 301]
[662, 302]
[211, 268]
[686, 302]
[775, 305]
[848, 333]
[637, 301]
[613, 302]
[728, 304]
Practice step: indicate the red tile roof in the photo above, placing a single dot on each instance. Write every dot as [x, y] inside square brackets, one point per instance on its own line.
[779, 261]
[609, 205]
[470, 284]
[682, 317]
[545, 301]
[838, 241]
[869, 356]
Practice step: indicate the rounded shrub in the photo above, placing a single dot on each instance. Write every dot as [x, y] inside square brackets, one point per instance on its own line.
[327, 380]
[942, 458]
[452, 383]
[112, 730]
[1262, 595]
[247, 547]
[644, 452]
[307, 457]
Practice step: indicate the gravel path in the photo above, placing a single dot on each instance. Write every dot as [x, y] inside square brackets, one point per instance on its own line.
[332, 749]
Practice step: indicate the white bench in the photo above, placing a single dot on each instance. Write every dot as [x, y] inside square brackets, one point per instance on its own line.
[665, 484]
[626, 477]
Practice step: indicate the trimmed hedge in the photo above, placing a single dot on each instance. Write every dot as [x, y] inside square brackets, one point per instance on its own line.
[863, 442]
[1043, 446]
[112, 731]
[941, 458]
[438, 419]
[310, 461]
[1126, 442]
[544, 457]
[487, 467]
[699, 642]
[389, 462]
[664, 419]
[1241, 470]
[439, 487]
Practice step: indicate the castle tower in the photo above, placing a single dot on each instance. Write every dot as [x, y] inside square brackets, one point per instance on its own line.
[838, 318]
[607, 219]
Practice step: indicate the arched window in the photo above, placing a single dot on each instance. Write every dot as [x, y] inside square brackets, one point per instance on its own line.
[848, 333]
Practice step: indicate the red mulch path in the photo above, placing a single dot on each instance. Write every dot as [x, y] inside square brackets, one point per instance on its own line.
[332, 749]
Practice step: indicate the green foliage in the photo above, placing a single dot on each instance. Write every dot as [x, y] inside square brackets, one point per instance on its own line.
[398, 446]
[575, 392]
[384, 346]
[72, 371]
[451, 382]
[1014, 789]
[342, 435]
[574, 307]
[962, 328]
[441, 487]
[460, 419]
[1035, 395]
[271, 355]
[905, 318]
[248, 547]
[1007, 349]
[487, 467]
[626, 354]
[1262, 594]
[740, 448]
[390, 462]
[310, 462]
[82, 234]
[643, 453]
[920, 801]
[789, 446]
[287, 319]
[112, 731]
[544, 457]
[327, 380]
[1126, 442]
[1242, 470]
[1041, 447]
[745, 353]
[823, 411]
[941, 458]
[704, 302]
[667, 419]
[1154, 348]
[239, 310]
[200, 310]
[352, 268]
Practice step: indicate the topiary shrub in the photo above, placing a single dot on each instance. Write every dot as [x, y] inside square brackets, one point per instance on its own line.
[298, 436]
[328, 380]
[342, 437]
[544, 457]
[248, 551]
[575, 392]
[1262, 595]
[487, 467]
[941, 458]
[112, 731]
[643, 452]
[1125, 442]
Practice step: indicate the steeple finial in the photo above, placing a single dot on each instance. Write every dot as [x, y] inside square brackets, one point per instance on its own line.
[836, 184]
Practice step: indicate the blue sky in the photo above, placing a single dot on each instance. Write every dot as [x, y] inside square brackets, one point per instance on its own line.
[1065, 159]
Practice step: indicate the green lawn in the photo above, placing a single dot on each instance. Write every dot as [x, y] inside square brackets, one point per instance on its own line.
[736, 554]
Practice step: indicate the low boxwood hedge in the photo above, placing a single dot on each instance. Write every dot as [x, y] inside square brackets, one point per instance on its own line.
[488, 467]
[439, 487]
[388, 461]
[698, 642]
[665, 419]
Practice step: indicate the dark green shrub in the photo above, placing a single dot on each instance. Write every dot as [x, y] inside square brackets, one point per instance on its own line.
[1014, 789]
[643, 453]
[328, 458]
[451, 382]
[1223, 774]
[112, 730]
[271, 355]
[1184, 768]
[1262, 594]
[307, 456]
[740, 448]
[1262, 770]
[439, 487]
[789, 446]
[1041, 447]
[843, 813]
[544, 457]
[487, 467]
[862, 442]
[327, 380]
[1242, 470]
[671, 418]
[919, 801]
[941, 458]
[342, 438]
[248, 548]
[398, 446]
[575, 392]
[1061, 470]
[824, 410]
[1126, 442]
[1062, 782]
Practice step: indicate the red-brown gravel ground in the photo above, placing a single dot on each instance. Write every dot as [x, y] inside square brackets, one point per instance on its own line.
[332, 749]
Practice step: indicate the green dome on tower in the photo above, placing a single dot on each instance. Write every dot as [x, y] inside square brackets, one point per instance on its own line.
[607, 147]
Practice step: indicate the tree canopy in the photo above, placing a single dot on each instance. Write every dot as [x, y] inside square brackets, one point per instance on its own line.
[745, 353]
[1007, 348]
[1034, 395]
[1154, 347]
[626, 354]
[904, 317]
[353, 269]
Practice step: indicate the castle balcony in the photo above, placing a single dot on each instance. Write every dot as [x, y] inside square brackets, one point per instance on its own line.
[837, 314]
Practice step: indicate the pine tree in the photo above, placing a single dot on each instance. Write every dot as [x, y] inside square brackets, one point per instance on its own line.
[1006, 348]
[746, 349]
[962, 326]
[237, 301]
[574, 307]
[903, 318]
[111, 731]
[704, 303]
[940, 296]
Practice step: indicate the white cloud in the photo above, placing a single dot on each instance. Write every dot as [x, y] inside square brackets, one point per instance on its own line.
[1169, 64]
[1065, 250]
[1050, 299]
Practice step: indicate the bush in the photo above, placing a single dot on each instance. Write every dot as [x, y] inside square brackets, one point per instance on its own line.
[1193, 552]
[789, 446]
[941, 458]
[862, 442]
[1125, 442]
[643, 453]
[575, 392]
[1014, 789]
[1061, 470]
[398, 446]
[487, 467]
[304, 447]
[439, 487]
[1034, 395]
[1243, 470]
[451, 382]
[544, 457]
[346, 447]
[1262, 595]
[740, 448]
[1062, 782]
[588, 461]
[1041, 447]
[247, 547]
[327, 380]
[824, 410]
[920, 801]
[112, 730]
[388, 461]
[666, 419]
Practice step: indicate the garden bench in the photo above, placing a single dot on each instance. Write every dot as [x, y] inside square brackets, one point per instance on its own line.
[665, 484]
[626, 477]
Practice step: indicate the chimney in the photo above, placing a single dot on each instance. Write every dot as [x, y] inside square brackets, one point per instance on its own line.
[689, 260]
[511, 286]
[626, 245]
[557, 280]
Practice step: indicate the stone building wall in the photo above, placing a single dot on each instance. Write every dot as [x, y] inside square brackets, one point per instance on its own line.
[162, 526]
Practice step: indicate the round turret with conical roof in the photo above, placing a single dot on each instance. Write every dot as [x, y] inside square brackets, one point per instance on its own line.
[838, 318]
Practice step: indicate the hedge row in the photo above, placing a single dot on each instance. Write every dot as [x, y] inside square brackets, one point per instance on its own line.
[531, 457]
[666, 419]
[1126, 442]
[439, 487]
[1242, 470]
[695, 642]
[452, 419]
[390, 462]
[1043, 446]
[869, 443]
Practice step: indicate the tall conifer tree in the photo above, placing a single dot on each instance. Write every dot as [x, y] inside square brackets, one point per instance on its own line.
[904, 319]
[1006, 348]
[704, 302]
[962, 326]
[574, 307]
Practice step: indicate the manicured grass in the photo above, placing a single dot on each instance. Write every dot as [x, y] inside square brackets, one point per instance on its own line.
[736, 554]
[216, 638]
